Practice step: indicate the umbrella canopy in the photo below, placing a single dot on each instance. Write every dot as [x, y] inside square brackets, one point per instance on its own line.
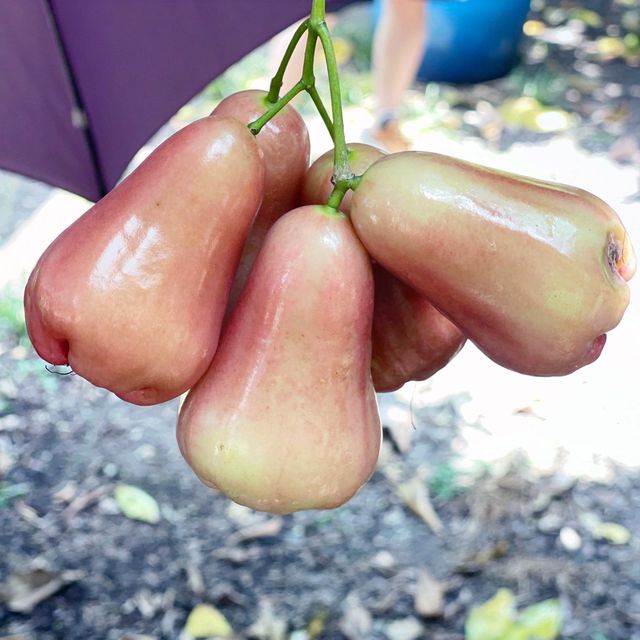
[84, 84]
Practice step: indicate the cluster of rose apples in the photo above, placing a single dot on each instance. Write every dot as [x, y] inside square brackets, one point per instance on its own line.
[214, 268]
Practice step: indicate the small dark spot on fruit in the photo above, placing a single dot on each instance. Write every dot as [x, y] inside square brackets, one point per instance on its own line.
[613, 253]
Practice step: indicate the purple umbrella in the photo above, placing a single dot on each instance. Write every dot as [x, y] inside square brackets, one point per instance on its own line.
[84, 84]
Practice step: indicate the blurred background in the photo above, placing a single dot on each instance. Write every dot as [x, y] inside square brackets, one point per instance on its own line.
[491, 485]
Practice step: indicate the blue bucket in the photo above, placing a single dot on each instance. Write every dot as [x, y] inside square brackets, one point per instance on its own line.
[470, 40]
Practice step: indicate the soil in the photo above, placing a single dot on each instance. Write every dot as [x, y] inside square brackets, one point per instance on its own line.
[67, 439]
[349, 573]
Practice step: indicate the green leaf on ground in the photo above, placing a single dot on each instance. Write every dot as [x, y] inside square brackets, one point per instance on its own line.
[612, 532]
[497, 619]
[493, 619]
[528, 113]
[10, 492]
[137, 504]
[609, 47]
[206, 621]
[588, 17]
[541, 621]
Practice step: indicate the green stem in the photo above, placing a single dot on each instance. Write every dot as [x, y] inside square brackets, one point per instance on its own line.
[317, 11]
[316, 28]
[315, 19]
[340, 190]
[308, 76]
[317, 100]
[341, 153]
[257, 125]
[276, 81]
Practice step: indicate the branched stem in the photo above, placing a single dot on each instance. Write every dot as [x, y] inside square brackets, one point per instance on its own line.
[276, 81]
[340, 154]
[317, 100]
[316, 29]
[257, 125]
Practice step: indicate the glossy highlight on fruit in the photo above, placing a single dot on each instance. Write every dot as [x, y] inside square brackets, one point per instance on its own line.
[284, 142]
[411, 339]
[286, 417]
[132, 294]
[533, 272]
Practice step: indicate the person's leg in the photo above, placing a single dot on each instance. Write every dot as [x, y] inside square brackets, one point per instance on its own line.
[398, 46]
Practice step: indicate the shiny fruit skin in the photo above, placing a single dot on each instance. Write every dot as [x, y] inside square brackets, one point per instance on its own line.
[411, 339]
[534, 273]
[132, 294]
[286, 417]
[284, 142]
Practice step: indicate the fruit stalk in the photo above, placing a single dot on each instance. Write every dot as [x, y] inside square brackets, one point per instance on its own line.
[276, 81]
[316, 28]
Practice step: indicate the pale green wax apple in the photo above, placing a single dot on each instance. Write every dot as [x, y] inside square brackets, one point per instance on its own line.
[286, 418]
[411, 339]
[284, 142]
[133, 293]
[533, 272]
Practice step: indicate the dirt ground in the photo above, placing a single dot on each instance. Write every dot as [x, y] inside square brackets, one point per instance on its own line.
[429, 537]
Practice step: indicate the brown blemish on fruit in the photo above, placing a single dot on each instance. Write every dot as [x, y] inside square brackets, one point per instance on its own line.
[613, 252]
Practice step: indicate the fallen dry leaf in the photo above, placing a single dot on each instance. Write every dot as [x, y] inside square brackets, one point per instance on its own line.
[67, 493]
[268, 529]
[405, 629]
[148, 603]
[429, 596]
[242, 516]
[24, 590]
[83, 501]
[316, 625]
[268, 625]
[195, 580]
[415, 495]
[30, 515]
[477, 561]
[356, 621]
[237, 555]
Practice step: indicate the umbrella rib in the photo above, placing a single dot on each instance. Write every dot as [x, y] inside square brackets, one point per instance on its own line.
[77, 97]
